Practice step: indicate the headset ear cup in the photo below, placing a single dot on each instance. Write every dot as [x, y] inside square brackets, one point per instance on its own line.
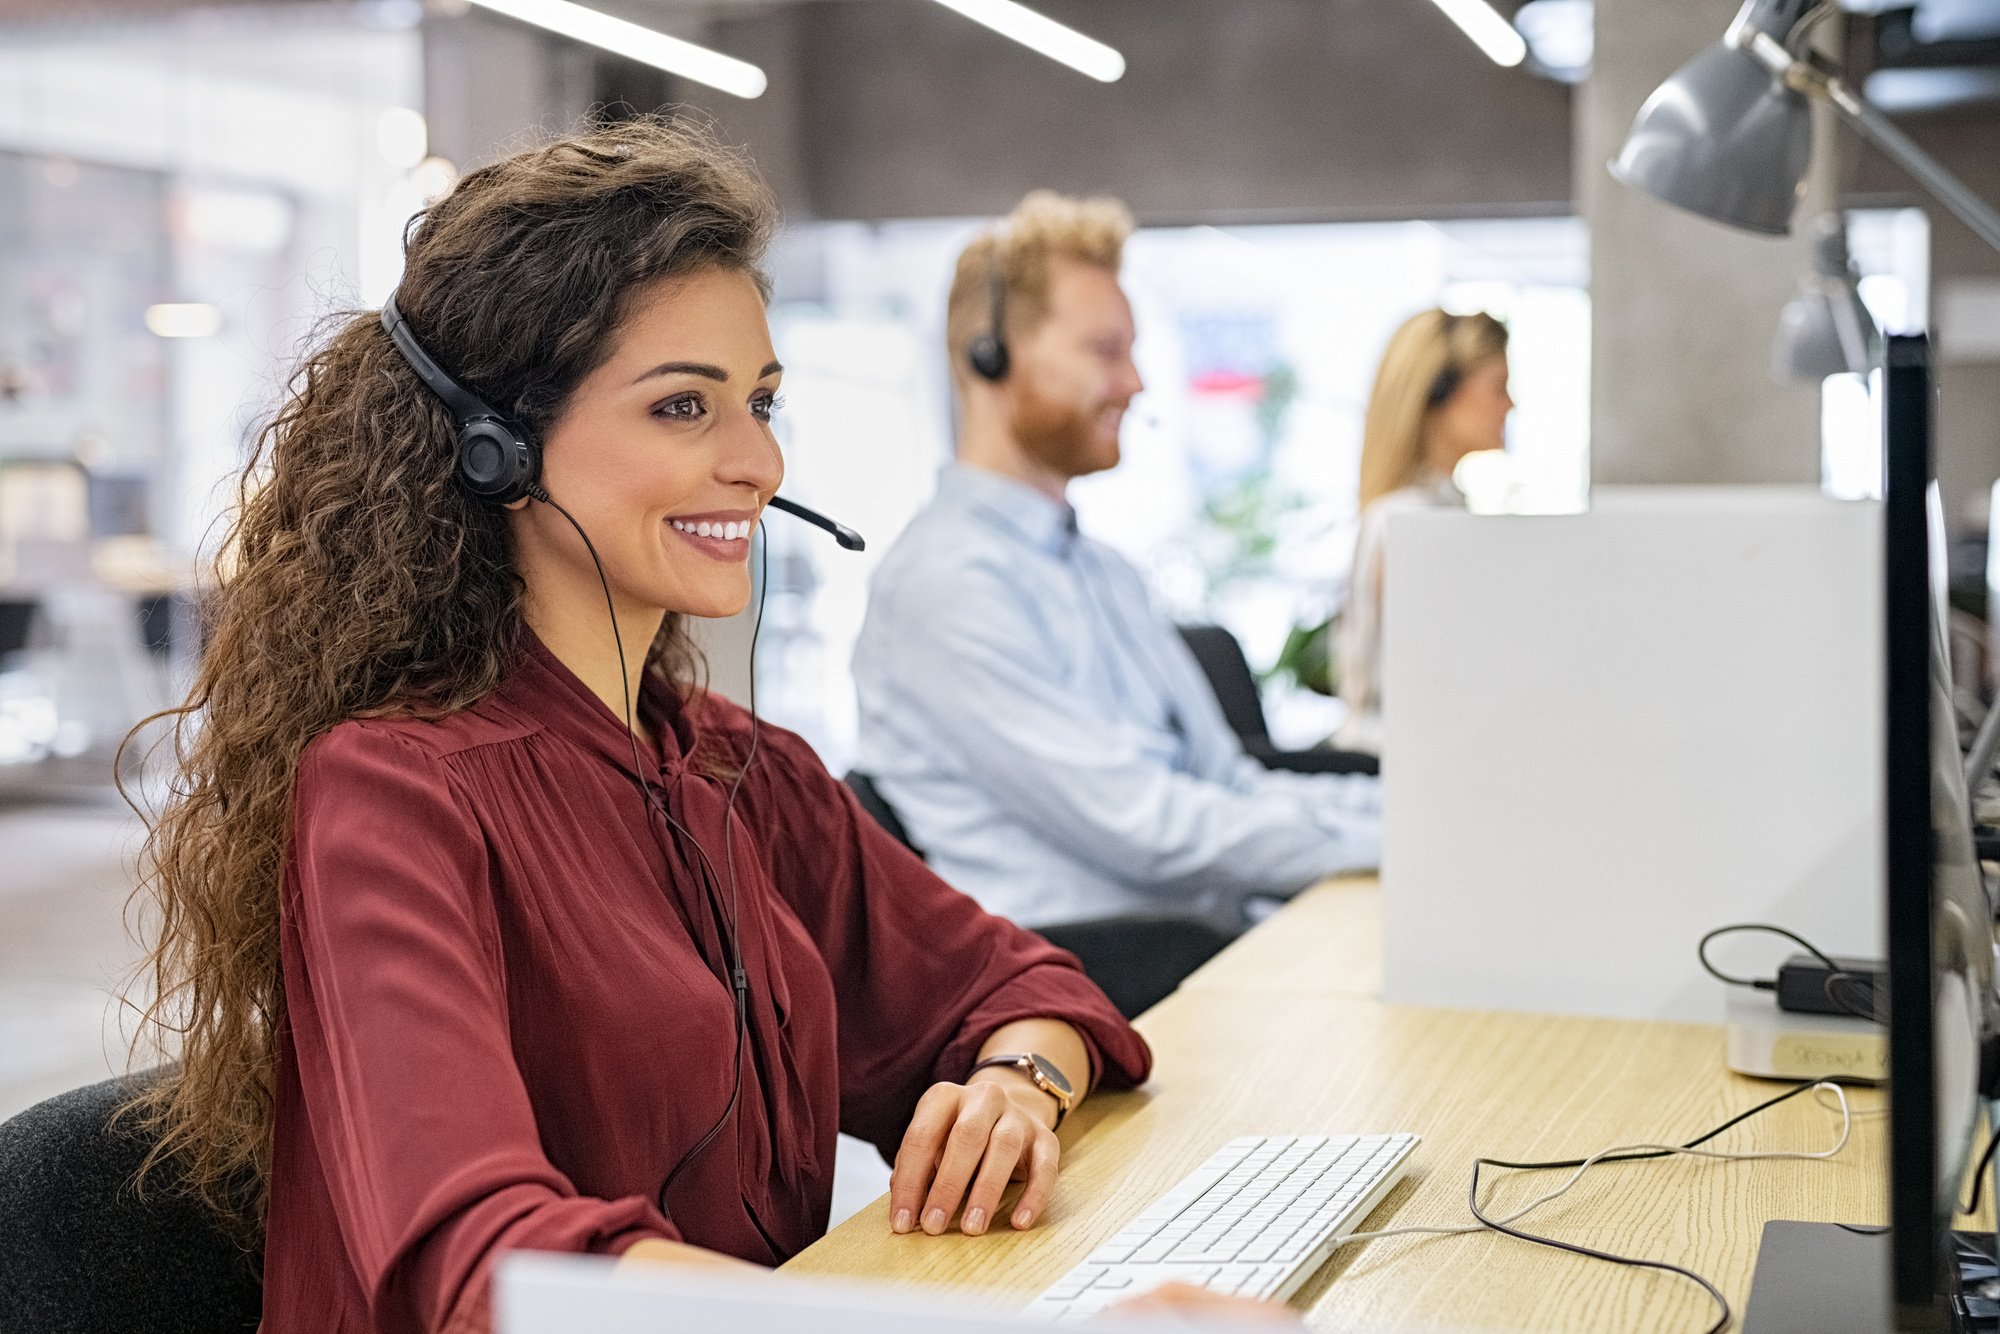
[494, 464]
[989, 358]
[1444, 386]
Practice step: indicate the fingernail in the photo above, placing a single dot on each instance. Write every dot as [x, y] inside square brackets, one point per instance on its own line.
[1023, 1217]
[975, 1221]
[902, 1223]
[934, 1222]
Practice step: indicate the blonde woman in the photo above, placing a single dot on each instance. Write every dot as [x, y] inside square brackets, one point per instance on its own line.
[1440, 394]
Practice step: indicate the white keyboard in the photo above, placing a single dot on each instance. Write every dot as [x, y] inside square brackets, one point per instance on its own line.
[1256, 1219]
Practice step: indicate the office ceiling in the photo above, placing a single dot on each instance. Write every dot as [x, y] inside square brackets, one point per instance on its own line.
[1924, 55]
[1935, 56]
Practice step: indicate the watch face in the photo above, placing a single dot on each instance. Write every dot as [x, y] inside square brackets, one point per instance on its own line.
[1053, 1075]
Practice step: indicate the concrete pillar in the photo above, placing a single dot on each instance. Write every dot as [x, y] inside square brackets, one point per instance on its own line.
[489, 84]
[1683, 309]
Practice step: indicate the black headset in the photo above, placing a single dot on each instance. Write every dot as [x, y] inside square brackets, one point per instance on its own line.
[987, 354]
[496, 461]
[1452, 376]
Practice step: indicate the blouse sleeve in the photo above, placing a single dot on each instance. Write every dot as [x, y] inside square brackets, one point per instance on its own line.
[397, 1009]
[923, 975]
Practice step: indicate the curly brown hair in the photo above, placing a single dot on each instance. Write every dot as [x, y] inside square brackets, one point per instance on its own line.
[359, 580]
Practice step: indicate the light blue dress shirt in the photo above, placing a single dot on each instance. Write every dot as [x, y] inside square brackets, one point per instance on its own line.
[1052, 745]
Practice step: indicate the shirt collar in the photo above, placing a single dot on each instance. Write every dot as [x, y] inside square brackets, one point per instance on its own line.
[1015, 507]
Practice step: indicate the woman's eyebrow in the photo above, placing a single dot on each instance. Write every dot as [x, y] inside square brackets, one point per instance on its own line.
[703, 369]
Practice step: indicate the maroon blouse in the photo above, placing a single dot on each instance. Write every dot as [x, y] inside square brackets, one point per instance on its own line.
[506, 1014]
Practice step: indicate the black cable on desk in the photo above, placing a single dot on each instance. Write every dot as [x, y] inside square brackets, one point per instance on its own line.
[1635, 1262]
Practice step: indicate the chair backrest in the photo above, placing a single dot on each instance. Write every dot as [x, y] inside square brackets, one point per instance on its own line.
[16, 618]
[873, 802]
[85, 1254]
[1229, 676]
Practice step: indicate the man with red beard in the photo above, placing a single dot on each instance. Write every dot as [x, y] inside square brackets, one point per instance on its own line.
[1047, 740]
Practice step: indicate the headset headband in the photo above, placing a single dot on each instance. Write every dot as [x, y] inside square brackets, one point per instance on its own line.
[996, 295]
[465, 406]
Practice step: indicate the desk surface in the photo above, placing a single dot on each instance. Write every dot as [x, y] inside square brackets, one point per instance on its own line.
[1251, 1045]
[1326, 942]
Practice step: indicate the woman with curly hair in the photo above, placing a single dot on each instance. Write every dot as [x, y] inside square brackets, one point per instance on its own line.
[482, 924]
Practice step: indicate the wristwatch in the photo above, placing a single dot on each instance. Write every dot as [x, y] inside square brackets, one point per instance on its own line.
[1043, 1072]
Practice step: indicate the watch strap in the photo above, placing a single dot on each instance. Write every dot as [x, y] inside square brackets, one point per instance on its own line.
[1025, 1063]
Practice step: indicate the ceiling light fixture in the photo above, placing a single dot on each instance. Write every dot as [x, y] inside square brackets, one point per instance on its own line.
[1560, 36]
[737, 77]
[1489, 32]
[183, 319]
[1039, 32]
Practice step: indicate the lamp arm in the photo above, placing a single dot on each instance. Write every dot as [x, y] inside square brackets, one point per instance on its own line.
[1869, 122]
[1853, 340]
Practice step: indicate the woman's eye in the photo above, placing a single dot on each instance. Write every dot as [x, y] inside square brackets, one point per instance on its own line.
[686, 408]
[762, 408]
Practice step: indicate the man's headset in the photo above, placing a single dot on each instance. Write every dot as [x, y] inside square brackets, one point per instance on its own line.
[987, 354]
[500, 464]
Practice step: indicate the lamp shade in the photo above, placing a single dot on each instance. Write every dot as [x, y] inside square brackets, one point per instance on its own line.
[1723, 138]
[1825, 329]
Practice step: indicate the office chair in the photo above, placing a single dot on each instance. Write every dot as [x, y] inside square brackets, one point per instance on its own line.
[1235, 687]
[876, 805]
[1137, 961]
[17, 618]
[86, 1255]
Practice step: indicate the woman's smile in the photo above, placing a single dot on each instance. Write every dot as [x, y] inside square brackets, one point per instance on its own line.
[721, 535]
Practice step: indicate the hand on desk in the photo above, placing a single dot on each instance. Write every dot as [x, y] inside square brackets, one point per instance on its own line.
[966, 1142]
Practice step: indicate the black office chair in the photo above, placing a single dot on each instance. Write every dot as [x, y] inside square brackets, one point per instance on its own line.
[1138, 961]
[1235, 687]
[876, 805]
[17, 619]
[84, 1254]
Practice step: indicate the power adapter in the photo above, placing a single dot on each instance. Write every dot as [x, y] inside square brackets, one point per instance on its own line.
[1807, 986]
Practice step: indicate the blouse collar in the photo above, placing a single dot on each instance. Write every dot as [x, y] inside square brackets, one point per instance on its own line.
[543, 688]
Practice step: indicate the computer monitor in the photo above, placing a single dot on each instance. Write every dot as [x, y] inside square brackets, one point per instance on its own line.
[1940, 919]
[1942, 1015]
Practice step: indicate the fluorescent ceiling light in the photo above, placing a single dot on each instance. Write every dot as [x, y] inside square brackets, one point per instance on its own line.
[642, 44]
[1489, 32]
[183, 319]
[1039, 32]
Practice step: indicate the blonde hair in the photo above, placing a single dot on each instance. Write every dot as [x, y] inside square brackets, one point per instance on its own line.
[1021, 251]
[1429, 353]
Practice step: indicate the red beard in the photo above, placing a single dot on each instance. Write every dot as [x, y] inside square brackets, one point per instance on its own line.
[1059, 436]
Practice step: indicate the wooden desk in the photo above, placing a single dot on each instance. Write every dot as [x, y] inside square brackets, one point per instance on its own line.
[1325, 942]
[1248, 1047]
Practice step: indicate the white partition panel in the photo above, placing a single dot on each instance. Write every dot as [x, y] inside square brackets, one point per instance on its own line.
[1610, 732]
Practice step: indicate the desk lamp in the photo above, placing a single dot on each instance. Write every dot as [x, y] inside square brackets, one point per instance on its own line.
[1825, 329]
[1729, 134]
